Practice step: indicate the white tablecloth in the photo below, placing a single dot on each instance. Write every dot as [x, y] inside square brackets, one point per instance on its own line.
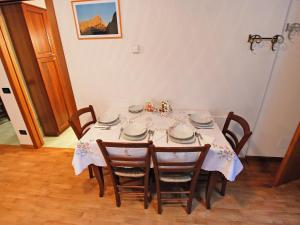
[220, 157]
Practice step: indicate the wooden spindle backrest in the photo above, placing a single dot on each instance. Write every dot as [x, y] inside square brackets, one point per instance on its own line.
[236, 143]
[75, 123]
[173, 166]
[121, 160]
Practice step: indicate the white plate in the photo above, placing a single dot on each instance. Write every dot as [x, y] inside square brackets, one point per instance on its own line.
[134, 129]
[201, 119]
[117, 121]
[181, 131]
[199, 125]
[108, 117]
[186, 141]
[135, 138]
[135, 108]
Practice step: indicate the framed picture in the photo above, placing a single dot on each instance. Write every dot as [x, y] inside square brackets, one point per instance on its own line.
[97, 18]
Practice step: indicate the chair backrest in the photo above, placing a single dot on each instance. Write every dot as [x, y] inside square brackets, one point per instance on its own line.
[120, 156]
[75, 123]
[177, 164]
[236, 143]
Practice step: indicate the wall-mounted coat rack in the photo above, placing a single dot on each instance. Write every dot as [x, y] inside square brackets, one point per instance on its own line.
[255, 38]
[291, 28]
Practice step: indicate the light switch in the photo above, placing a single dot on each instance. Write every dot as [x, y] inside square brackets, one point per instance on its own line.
[136, 49]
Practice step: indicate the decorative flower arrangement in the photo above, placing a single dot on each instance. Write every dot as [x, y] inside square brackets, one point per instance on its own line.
[163, 107]
[149, 107]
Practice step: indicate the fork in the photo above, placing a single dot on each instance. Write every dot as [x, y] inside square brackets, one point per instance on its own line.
[121, 131]
[104, 127]
[151, 133]
[198, 135]
[167, 132]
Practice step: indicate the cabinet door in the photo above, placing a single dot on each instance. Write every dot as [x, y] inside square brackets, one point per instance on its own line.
[44, 48]
[39, 30]
[50, 72]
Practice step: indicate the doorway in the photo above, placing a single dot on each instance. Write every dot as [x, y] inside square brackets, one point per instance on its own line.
[8, 135]
[43, 73]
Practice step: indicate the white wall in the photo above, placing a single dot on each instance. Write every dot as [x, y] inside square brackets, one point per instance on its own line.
[39, 3]
[12, 109]
[9, 100]
[194, 53]
[280, 113]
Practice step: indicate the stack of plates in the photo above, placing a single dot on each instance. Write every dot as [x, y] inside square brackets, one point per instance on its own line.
[109, 119]
[182, 134]
[135, 132]
[201, 121]
[136, 108]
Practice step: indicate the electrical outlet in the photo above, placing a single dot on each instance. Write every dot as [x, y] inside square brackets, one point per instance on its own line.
[6, 90]
[23, 132]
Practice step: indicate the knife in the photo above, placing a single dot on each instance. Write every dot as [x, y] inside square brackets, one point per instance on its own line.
[121, 131]
[167, 132]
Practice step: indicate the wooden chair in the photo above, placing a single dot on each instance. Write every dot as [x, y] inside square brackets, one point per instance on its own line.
[170, 171]
[231, 137]
[236, 143]
[80, 130]
[128, 168]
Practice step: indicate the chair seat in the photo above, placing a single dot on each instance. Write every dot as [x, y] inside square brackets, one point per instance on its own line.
[129, 172]
[175, 177]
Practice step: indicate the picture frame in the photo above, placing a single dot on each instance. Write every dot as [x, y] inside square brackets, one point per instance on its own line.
[97, 19]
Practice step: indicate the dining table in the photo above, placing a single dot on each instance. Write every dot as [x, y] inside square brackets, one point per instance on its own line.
[221, 159]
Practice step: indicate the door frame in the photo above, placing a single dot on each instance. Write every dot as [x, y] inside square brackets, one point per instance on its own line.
[20, 93]
[18, 87]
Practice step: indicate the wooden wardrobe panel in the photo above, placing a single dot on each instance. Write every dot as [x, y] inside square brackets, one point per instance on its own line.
[46, 77]
[41, 36]
[17, 28]
[65, 79]
[50, 74]
[289, 167]
[36, 19]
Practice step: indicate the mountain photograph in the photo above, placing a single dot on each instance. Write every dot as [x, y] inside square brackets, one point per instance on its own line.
[96, 25]
[97, 19]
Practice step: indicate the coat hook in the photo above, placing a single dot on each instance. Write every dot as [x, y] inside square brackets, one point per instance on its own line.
[290, 28]
[254, 38]
[276, 39]
[257, 39]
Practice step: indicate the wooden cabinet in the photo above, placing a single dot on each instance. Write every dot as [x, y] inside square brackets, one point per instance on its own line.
[35, 48]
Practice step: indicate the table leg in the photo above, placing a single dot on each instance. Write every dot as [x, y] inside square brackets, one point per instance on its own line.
[212, 181]
[99, 176]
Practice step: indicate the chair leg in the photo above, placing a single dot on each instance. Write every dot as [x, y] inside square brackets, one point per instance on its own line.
[146, 191]
[189, 206]
[145, 199]
[211, 184]
[100, 179]
[116, 182]
[90, 171]
[118, 199]
[159, 207]
[191, 196]
[223, 188]
[158, 193]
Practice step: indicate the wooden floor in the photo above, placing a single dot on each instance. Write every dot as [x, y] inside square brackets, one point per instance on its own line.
[39, 187]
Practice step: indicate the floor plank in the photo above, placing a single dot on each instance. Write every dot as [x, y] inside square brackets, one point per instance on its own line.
[39, 187]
